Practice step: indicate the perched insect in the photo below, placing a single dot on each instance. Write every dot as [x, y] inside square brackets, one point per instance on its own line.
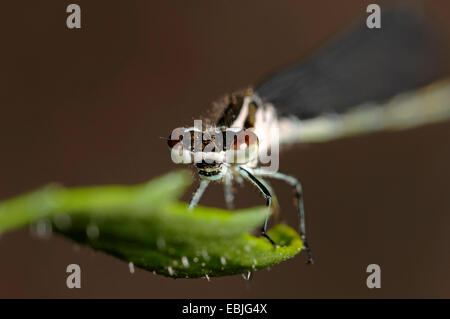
[350, 87]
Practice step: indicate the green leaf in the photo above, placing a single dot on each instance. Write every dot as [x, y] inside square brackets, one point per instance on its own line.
[145, 224]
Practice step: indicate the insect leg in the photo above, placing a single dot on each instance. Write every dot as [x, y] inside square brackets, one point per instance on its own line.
[228, 190]
[275, 206]
[299, 196]
[265, 192]
[198, 193]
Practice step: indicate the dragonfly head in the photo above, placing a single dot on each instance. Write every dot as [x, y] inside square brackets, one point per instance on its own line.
[213, 149]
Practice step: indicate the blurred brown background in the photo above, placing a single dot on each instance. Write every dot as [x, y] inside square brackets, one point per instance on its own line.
[89, 106]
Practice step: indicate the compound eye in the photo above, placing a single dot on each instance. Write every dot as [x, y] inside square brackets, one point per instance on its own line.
[179, 143]
[244, 140]
[244, 147]
[175, 138]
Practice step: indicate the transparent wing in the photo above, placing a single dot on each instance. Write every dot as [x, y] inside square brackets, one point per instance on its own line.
[360, 66]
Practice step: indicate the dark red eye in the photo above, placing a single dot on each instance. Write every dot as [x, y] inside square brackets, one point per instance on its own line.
[175, 138]
[244, 139]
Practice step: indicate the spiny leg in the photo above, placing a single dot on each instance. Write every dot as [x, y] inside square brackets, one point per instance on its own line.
[275, 206]
[265, 192]
[291, 180]
[198, 193]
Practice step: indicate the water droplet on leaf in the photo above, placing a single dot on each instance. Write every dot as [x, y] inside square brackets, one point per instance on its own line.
[131, 266]
[41, 229]
[247, 276]
[92, 231]
[185, 261]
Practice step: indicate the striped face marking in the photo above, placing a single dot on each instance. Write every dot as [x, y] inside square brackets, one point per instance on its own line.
[215, 148]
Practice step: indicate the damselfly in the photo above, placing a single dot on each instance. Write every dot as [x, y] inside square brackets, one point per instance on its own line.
[364, 81]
